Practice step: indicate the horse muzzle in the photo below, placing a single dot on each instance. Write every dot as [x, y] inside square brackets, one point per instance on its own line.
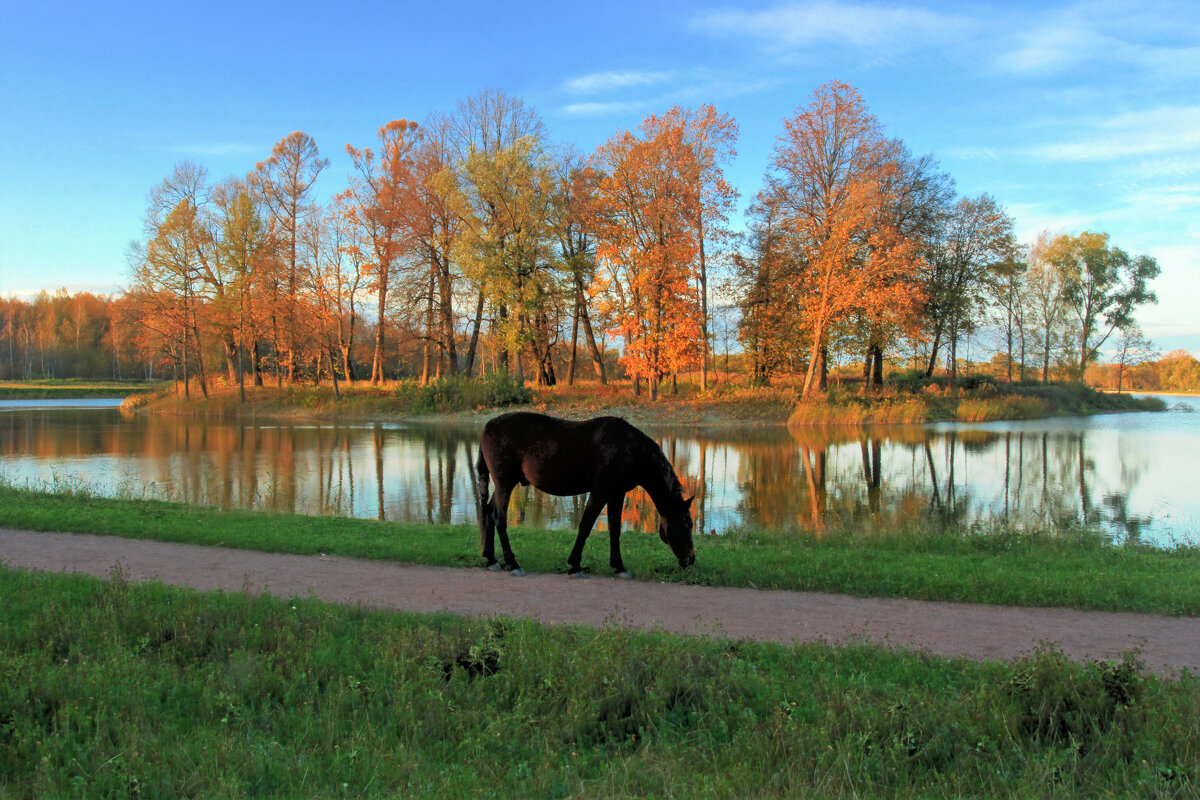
[688, 560]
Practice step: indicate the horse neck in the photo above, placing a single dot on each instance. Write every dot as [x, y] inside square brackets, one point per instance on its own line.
[659, 481]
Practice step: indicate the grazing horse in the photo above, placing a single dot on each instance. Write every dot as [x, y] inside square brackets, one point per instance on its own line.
[605, 456]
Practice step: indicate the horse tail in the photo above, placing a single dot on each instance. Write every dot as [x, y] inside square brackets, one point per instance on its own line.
[485, 507]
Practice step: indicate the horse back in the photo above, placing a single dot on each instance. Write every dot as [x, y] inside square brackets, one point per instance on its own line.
[563, 457]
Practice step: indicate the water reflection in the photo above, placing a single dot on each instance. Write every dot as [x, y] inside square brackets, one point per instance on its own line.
[1136, 476]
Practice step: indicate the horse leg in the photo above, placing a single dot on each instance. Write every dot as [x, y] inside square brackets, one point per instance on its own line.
[591, 510]
[487, 515]
[615, 504]
[500, 512]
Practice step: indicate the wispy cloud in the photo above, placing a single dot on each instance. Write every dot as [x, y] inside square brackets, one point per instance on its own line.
[601, 109]
[1156, 132]
[862, 25]
[1158, 39]
[602, 82]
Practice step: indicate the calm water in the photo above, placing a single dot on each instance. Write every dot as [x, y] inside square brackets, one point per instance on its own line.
[1135, 475]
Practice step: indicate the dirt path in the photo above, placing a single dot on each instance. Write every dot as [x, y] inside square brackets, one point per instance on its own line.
[979, 632]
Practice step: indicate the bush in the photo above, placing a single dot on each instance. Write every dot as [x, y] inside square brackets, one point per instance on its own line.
[459, 394]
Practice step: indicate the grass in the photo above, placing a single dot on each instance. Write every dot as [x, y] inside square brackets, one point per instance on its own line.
[73, 389]
[360, 399]
[996, 565]
[920, 400]
[113, 690]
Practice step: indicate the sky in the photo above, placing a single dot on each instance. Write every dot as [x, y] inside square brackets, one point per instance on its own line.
[1074, 116]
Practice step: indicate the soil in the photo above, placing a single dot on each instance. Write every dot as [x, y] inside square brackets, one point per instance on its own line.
[1167, 645]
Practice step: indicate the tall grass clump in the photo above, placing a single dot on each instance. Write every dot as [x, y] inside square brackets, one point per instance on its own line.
[1000, 408]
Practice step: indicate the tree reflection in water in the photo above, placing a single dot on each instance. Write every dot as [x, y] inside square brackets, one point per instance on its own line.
[1052, 474]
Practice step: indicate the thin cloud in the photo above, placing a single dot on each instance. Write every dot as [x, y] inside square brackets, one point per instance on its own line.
[1155, 132]
[600, 109]
[603, 82]
[1158, 40]
[861, 25]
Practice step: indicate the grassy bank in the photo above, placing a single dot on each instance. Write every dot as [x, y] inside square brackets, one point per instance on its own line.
[997, 565]
[116, 690]
[74, 389]
[357, 400]
[918, 401]
[904, 401]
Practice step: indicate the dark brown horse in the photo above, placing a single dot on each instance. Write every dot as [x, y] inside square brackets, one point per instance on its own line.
[605, 456]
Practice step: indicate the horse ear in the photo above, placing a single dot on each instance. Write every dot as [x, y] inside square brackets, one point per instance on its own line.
[688, 502]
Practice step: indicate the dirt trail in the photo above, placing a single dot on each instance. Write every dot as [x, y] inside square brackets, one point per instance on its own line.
[1167, 644]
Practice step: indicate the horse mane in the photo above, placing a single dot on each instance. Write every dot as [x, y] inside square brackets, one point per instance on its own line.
[661, 470]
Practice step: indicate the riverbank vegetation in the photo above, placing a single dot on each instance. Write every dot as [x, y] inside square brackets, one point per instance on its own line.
[67, 388]
[112, 689]
[910, 398]
[990, 564]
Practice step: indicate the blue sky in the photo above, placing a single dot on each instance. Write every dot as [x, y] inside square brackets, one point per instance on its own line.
[1075, 116]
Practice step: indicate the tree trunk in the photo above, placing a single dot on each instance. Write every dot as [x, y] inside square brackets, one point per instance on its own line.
[469, 366]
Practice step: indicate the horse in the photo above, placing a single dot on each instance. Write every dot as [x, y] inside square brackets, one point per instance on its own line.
[605, 457]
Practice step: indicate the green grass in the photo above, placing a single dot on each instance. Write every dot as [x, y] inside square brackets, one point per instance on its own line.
[996, 565]
[73, 389]
[113, 690]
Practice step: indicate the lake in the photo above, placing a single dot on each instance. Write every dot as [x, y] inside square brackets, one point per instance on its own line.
[1131, 475]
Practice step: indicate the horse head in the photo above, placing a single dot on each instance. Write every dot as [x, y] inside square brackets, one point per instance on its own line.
[675, 529]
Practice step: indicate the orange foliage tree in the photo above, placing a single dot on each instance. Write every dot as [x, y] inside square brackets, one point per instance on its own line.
[376, 200]
[643, 208]
[829, 184]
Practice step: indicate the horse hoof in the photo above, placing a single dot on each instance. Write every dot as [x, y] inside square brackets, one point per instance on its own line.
[627, 575]
[580, 575]
[495, 567]
[518, 573]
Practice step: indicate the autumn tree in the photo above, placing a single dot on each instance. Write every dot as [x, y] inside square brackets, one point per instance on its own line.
[243, 247]
[435, 228]
[168, 272]
[712, 137]
[974, 245]
[763, 279]
[917, 195]
[1133, 348]
[1102, 287]
[644, 206]
[506, 203]
[829, 181]
[286, 182]
[484, 124]
[1045, 299]
[377, 198]
[571, 227]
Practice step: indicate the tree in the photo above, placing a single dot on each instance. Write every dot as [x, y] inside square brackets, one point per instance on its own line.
[1045, 297]
[712, 136]
[1133, 348]
[486, 123]
[973, 246]
[376, 203]
[577, 250]
[830, 182]
[1102, 286]
[917, 197]
[285, 181]
[644, 214]
[435, 229]
[506, 204]
[167, 272]
[243, 246]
